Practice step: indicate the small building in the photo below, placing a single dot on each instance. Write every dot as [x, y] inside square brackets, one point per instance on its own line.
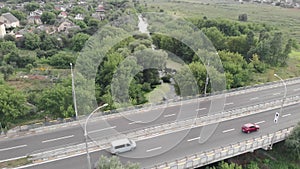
[79, 17]
[66, 25]
[36, 13]
[62, 15]
[2, 30]
[9, 20]
[34, 20]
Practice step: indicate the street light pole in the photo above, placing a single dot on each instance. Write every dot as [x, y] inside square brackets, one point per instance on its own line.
[285, 90]
[206, 80]
[276, 117]
[86, 135]
[73, 93]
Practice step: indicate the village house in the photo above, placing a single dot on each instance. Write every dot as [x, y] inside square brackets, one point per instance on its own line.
[34, 20]
[36, 13]
[65, 25]
[9, 20]
[79, 17]
[62, 15]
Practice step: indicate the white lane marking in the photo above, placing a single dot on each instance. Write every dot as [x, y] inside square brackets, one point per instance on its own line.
[153, 149]
[254, 98]
[134, 122]
[169, 115]
[226, 104]
[10, 159]
[15, 147]
[260, 122]
[192, 139]
[297, 89]
[56, 139]
[276, 94]
[225, 131]
[201, 109]
[286, 115]
[95, 131]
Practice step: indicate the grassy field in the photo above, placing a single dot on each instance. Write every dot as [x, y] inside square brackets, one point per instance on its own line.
[287, 20]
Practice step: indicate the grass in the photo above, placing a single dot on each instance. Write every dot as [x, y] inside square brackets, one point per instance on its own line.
[286, 20]
[158, 93]
[15, 163]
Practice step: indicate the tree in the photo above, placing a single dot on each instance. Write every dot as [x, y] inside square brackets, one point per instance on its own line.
[12, 103]
[224, 165]
[78, 41]
[57, 101]
[113, 163]
[62, 60]
[243, 17]
[293, 142]
[199, 73]
[32, 6]
[50, 42]
[18, 14]
[236, 65]
[252, 165]
[48, 17]
[49, 6]
[216, 37]
[7, 47]
[6, 70]
[32, 41]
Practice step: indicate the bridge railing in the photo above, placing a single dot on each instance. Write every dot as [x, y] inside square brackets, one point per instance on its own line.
[221, 153]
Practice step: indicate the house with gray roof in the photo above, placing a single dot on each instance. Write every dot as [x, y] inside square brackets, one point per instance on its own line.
[9, 20]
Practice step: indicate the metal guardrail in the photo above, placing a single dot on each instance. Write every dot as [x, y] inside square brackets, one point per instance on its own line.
[156, 130]
[221, 153]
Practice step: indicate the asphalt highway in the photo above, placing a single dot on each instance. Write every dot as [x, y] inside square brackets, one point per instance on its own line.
[18, 147]
[180, 144]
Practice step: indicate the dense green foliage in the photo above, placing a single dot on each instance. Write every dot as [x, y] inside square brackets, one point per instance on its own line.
[12, 103]
[293, 142]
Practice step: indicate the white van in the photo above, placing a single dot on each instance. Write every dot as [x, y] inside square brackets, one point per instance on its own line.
[122, 145]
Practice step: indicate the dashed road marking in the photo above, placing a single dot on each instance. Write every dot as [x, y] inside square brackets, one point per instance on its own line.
[225, 131]
[197, 138]
[226, 104]
[285, 115]
[95, 131]
[201, 109]
[56, 139]
[169, 115]
[254, 98]
[260, 122]
[134, 122]
[153, 149]
[15, 147]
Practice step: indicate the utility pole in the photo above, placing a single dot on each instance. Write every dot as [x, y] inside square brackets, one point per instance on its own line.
[73, 93]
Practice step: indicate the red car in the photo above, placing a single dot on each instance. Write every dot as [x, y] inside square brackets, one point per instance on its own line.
[250, 127]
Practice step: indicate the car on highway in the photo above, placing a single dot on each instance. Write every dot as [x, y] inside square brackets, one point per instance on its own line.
[122, 145]
[250, 127]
